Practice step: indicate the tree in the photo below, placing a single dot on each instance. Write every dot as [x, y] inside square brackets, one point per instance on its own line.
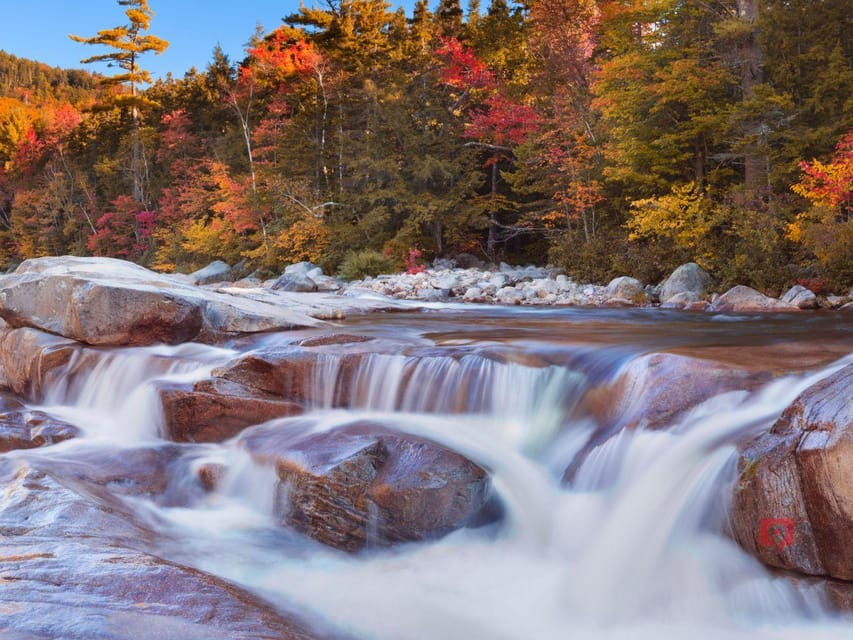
[128, 44]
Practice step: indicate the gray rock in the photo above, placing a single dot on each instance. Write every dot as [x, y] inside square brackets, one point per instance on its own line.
[745, 299]
[681, 300]
[835, 302]
[474, 294]
[217, 271]
[303, 268]
[509, 295]
[626, 288]
[801, 297]
[295, 281]
[688, 277]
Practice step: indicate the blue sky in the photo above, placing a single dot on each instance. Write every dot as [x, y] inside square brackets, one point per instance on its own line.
[38, 29]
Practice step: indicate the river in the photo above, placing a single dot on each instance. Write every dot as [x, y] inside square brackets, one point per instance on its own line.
[605, 531]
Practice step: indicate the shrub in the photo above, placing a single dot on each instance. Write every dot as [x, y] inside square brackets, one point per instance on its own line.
[360, 264]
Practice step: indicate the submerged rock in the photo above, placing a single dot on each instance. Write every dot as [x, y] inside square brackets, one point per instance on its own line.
[365, 484]
[793, 503]
[741, 299]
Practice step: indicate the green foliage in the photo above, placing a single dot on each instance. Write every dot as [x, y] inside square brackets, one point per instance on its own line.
[360, 264]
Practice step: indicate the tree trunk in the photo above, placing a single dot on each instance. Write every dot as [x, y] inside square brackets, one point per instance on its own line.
[751, 74]
[492, 241]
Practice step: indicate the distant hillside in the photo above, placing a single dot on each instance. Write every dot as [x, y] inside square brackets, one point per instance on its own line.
[30, 80]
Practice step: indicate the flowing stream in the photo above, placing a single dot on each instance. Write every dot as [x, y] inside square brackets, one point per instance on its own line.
[632, 543]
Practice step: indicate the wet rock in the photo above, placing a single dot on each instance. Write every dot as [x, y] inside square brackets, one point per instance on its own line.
[793, 504]
[332, 339]
[29, 359]
[653, 391]
[688, 278]
[216, 271]
[365, 484]
[801, 297]
[742, 299]
[22, 428]
[216, 410]
[75, 567]
[626, 288]
[103, 301]
[474, 294]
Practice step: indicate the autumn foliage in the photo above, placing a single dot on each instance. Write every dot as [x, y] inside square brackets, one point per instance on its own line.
[607, 137]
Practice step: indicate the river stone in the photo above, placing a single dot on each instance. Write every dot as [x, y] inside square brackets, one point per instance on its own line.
[793, 503]
[216, 271]
[653, 391]
[743, 299]
[801, 297]
[24, 428]
[216, 410]
[30, 360]
[364, 484]
[688, 277]
[626, 288]
[681, 300]
[75, 566]
[104, 301]
[298, 282]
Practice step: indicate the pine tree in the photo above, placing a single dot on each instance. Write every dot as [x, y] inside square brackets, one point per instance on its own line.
[128, 44]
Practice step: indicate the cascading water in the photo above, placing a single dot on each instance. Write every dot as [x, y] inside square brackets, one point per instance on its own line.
[632, 545]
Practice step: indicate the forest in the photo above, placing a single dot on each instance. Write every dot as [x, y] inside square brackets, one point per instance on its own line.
[605, 137]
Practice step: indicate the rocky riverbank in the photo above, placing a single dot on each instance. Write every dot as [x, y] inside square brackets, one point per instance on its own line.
[689, 287]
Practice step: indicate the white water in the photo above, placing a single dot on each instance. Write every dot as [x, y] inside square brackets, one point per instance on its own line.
[633, 548]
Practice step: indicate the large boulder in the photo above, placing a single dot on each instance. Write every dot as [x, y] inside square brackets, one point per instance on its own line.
[30, 359]
[801, 297]
[216, 271]
[688, 278]
[216, 410]
[104, 301]
[75, 566]
[364, 484]
[743, 299]
[626, 288]
[793, 503]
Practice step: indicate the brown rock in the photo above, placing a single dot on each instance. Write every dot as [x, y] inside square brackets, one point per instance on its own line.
[655, 389]
[365, 484]
[793, 504]
[22, 428]
[741, 299]
[29, 356]
[75, 567]
[291, 373]
[216, 410]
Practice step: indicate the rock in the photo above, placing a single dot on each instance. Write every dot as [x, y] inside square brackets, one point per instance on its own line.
[430, 294]
[801, 297]
[78, 569]
[627, 288]
[835, 302]
[294, 282]
[468, 261]
[217, 271]
[688, 277]
[364, 484]
[474, 294]
[681, 300]
[846, 307]
[103, 301]
[509, 295]
[23, 428]
[793, 503]
[216, 410]
[302, 269]
[296, 375]
[30, 359]
[742, 299]
[653, 391]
